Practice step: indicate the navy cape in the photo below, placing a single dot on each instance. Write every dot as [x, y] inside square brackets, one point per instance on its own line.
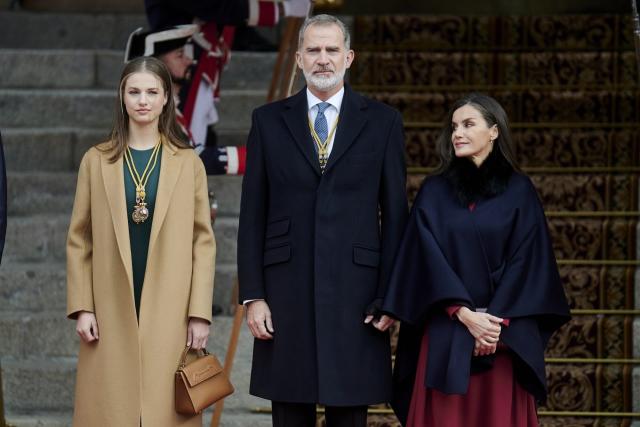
[497, 256]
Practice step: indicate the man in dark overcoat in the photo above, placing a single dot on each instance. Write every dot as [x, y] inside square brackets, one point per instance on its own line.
[323, 210]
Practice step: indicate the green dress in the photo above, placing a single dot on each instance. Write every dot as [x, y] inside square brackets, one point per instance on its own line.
[139, 233]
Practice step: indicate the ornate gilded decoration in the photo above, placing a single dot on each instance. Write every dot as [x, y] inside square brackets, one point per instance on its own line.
[570, 87]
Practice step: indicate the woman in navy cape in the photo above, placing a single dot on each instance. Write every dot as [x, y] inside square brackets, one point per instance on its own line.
[475, 283]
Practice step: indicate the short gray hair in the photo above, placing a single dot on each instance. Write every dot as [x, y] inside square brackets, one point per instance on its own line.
[324, 20]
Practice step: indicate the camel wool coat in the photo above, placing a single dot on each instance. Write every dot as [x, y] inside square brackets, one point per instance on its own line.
[126, 378]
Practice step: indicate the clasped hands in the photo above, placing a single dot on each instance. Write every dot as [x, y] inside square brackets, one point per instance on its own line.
[261, 325]
[485, 329]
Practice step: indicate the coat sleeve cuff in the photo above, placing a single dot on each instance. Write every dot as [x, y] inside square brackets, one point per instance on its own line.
[452, 310]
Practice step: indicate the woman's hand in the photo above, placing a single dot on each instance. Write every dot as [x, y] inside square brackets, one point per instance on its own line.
[197, 333]
[87, 326]
[484, 327]
[484, 350]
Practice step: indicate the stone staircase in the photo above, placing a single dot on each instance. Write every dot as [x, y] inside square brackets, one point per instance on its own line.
[58, 76]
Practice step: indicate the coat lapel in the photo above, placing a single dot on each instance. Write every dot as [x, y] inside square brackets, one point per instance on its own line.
[113, 178]
[169, 171]
[352, 120]
[297, 119]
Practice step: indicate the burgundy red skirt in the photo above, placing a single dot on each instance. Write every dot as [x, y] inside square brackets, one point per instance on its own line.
[494, 399]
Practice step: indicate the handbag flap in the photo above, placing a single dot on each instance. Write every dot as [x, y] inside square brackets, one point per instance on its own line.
[202, 369]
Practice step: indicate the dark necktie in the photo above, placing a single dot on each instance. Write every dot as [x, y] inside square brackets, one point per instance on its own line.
[321, 127]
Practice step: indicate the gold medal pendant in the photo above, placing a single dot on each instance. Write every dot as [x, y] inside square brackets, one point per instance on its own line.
[140, 212]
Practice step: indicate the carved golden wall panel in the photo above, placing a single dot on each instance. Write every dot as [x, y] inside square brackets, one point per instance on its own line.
[588, 387]
[592, 336]
[577, 338]
[579, 147]
[569, 86]
[593, 238]
[583, 422]
[459, 33]
[528, 105]
[437, 69]
[573, 192]
[535, 147]
[571, 388]
[586, 192]
[582, 285]
[598, 287]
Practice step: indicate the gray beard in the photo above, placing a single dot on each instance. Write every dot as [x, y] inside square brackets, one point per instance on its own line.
[324, 83]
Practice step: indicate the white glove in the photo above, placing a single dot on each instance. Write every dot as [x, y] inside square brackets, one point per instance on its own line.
[299, 8]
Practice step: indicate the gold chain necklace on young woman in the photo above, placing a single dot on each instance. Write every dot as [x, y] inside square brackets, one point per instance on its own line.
[140, 211]
[323, 146]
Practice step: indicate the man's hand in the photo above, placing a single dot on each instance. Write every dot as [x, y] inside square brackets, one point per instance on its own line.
[259, 320]
[87, 326]
[484, 327]
[197, 333]
[381, 324]
[373, 315]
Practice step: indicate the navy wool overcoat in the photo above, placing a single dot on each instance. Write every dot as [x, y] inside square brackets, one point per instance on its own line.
[319, 249]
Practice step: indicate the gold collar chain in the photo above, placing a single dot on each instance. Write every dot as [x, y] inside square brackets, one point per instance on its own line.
[140, 211]
[323, 146]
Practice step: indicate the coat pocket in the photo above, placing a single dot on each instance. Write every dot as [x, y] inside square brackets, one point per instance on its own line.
[366, 256]
[278, 254]
[276, 228]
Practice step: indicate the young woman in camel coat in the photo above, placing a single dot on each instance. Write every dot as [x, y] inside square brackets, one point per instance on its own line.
[134, 321]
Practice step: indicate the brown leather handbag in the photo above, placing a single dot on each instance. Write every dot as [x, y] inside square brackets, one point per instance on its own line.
[200, 383]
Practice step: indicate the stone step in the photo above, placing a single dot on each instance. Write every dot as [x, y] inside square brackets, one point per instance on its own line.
[35, 287]
[38, 384]
[229, 419]
[44, 381]
[40, 419]
[85, 68]
[49, 333]
[38, 238]
[34, 193]
[25, 30]
[30, 108]
[61, 149]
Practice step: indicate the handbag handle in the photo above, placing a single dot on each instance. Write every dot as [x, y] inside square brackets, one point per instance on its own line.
[201, 353]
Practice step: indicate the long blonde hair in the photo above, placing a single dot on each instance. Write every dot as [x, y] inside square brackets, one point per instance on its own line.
[167, 124]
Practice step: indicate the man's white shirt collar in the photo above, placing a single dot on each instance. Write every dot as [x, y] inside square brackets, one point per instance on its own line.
[335, 100]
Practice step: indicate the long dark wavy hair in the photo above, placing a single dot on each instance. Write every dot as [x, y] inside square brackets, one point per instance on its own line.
[167, 124]
[493, 114]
